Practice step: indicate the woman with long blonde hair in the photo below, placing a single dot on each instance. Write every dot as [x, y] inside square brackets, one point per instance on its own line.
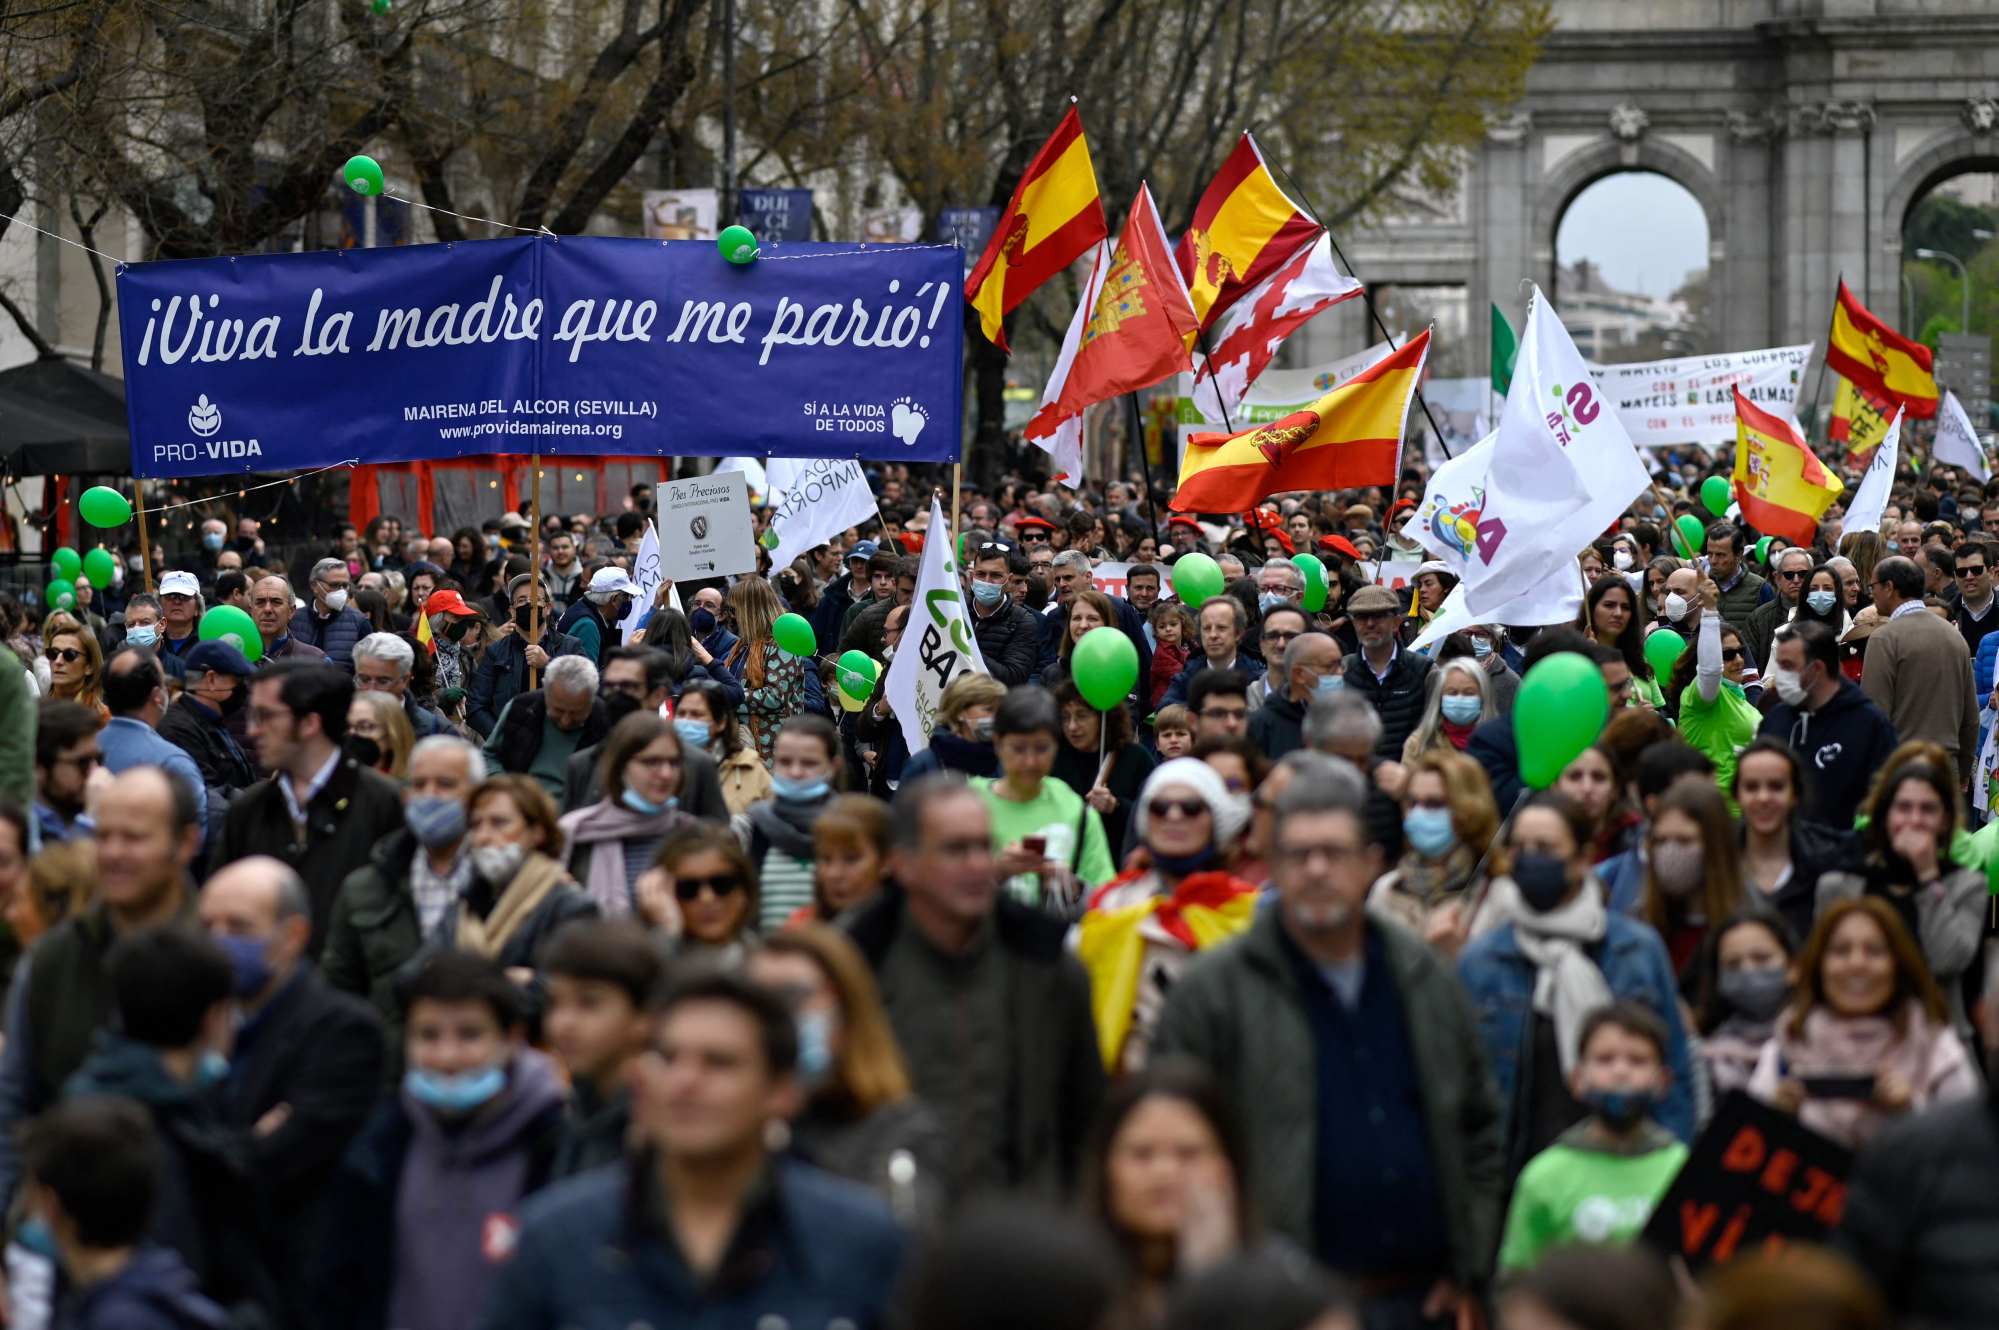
[773, 680]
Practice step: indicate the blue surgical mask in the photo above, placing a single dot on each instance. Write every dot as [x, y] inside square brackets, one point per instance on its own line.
[145, 635]
[815, 1046]
[1429, 831]
[693, 733]
[1481, 647]
[1620, 1108]
[988, 594]
[247, 962]
[434, 820]
[211, 1068]
[702, 622]
[1820, 601]
[35, 1235]
[1328, 685]
[1461, 708]
[800, 791]
[645, 807]
[454, 1094]
[1542, 879]
[211, 540]
[1269, 601]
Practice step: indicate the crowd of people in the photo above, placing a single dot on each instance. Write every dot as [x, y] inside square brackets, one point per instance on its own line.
[495, 945]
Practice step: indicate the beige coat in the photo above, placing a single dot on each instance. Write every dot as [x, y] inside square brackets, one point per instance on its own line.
[1919, 672]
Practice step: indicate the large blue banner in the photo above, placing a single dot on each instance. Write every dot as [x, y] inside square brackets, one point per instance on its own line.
[579, 345]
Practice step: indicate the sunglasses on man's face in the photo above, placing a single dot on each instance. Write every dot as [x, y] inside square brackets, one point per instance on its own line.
[690, 888]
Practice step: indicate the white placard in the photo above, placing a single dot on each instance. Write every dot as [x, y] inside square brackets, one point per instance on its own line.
[704, 526]
[1671, 403]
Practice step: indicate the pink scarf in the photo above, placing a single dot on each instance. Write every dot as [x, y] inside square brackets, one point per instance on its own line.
[604, 827]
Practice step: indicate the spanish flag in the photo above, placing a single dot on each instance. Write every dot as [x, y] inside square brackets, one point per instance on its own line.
[1859, 422]
[1244, 228]
[1206, 908]
[1055, 215]
[1352, 436]
[1878, 359]
[1779, 481]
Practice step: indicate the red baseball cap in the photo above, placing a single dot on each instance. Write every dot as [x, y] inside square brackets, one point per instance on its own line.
[448, 601]
[1034, 521]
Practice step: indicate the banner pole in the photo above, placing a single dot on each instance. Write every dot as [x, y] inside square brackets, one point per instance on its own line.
[145, 540]
[534, 565]
[1145, 462]
[1819, 389]
[957, 488]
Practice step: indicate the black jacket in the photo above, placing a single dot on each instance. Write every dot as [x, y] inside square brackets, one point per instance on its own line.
[1278, 726]
[374, 933]
[519, 737]
[1398, 697]
[1009, 639]
[1922, 1216]
[1497, 749]
[700, 783]
[199, 731]
[503, 673]
[1842, 745]
[352, 812]
[1815, 850]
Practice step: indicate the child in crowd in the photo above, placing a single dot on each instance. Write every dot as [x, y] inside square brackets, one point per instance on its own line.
[1173, 731]
[1172, 634]
[600, 977]
[1599, 1181]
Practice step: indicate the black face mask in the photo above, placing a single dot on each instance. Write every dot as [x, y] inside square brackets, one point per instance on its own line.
[236, 701]
[364, 751]
[524, 620]
[618, 704]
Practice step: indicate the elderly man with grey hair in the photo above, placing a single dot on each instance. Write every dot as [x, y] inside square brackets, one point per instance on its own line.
[327, 620]
[383, 663]
[1309, 668]
[1789, 572]
[539, 732]
[305, 1069]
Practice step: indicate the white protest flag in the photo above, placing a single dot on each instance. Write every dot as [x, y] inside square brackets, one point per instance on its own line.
[1563, 468]
[645, 572]
[812, 500]
[1247, 338]
[1870, 500]
[938, 645]
[1065, 445]
[1957, 442]
[1556, 599]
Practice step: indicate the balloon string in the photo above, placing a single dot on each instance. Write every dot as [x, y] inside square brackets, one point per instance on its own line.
[848, 253]
[74, 244]
[241, 490]
[469, 217]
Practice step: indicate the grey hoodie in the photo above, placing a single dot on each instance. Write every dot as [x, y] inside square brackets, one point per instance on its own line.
[458, 1195]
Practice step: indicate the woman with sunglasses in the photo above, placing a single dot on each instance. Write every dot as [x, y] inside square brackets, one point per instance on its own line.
[1142, 927]
[76, 663]
[519, 895]
[709, 883]
[1715, 713]
[608, 844]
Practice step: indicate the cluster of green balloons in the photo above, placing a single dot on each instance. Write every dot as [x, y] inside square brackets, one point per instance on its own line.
[794, 635]
[97, 567]
[856, 676]
[1104, 666]
[103, 506]
[1559, 711]
[1196, 579]
[738, 245]
[226, 623]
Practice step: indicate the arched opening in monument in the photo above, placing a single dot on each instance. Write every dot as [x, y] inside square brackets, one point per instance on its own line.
[1631, 269]
[1949, 295]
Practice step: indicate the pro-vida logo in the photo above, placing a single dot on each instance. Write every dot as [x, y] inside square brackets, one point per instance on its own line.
[204, 421]
[204, 418]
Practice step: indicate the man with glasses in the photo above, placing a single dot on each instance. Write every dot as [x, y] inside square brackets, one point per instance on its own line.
[1283, 624]
[1221, 624]
[66, 753]
[1788, 575]
[180, 608]
[1975, 618]
[1384, 1157]
[328, 621]
[1310, 667]
[383, 663]
[1393, 680]
[218, 683]
[1219, 701]
[1008, 634]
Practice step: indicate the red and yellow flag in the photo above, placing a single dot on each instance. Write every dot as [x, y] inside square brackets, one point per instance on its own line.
[1859, 422]
[1054, 217]
[1783, 488]
[1131, 329]
[1350, 437]
[1244, 227]
[1878, 359]
[1205, 909]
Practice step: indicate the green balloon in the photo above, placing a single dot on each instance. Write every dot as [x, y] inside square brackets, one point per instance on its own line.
[1559, 711]
[226, 623]
[794, 635]
[1717, 494]
[1763, 551]
[103, 506]
[1314, 569]
[101, 567]
[68, 563]
[857, 674]
[1196, 578]
[61, 594]
[363, 174]
[1104, 666]
[738, 244]
[1663, 649]
[1689, 536]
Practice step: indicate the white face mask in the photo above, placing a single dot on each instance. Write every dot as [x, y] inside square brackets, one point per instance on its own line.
[1790, 686]
[336, 599]
[1676, 606]
[1622, 558]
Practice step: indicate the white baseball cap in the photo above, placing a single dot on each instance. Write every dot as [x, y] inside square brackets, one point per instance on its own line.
[613, 579]
[179, 584]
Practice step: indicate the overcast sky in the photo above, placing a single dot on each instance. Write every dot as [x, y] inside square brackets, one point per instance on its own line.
[1644, 231]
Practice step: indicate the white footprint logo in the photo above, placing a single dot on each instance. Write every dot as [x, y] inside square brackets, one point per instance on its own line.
[906, 420]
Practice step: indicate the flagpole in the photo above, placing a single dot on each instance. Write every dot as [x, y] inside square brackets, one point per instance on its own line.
[1145, 462]
[534, 566]
[145, 541]
[1824, 356]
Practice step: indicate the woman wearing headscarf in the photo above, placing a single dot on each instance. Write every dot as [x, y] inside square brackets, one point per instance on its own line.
[1142, 927]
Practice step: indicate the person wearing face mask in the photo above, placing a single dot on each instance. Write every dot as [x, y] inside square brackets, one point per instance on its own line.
[1460, 701]
[1791, 574]
[1486, 645]
[963, 739]
[860, 1120]
[1680, 607]
[593, 618]
[172, 1003]
[306, 1066]
[705, 718]
[1554, 955]
[1448, 820]
[429, 1197]
[1142, 928]
[328, 620]
[608, 844]
[805, 767]
[1008, 634]
[1826, 718]
[1715, 712]
[1599, 1181]
[1693, 871]
[218, 686]
[1745, 986]
[502, 673]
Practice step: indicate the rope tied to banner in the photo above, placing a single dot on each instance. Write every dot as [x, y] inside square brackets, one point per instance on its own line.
[247, 489]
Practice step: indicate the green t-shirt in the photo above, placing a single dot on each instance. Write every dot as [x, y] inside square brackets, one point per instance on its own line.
[1055, 815]
[1721, 728]
[1572, 1192]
